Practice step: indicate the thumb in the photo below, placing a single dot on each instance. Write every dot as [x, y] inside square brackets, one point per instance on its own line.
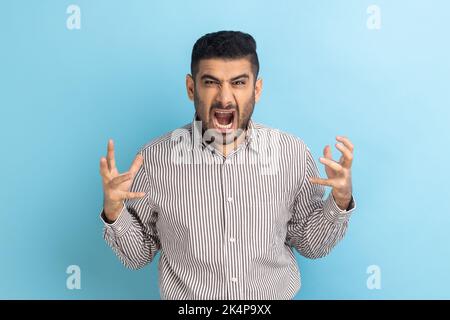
[137, 163]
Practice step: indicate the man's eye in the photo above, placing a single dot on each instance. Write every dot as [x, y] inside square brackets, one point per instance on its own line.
[239, 83]
[209, 82]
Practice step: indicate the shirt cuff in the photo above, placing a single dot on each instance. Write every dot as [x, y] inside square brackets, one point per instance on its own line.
[335, 214]
[121, 225]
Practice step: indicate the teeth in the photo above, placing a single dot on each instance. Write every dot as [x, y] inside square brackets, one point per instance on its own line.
[222, 126]
[228, 126]
[217, 111]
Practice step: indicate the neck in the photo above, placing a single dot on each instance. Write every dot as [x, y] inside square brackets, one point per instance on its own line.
[228, 148]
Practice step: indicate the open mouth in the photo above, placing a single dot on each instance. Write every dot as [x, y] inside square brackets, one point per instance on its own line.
[224, 120]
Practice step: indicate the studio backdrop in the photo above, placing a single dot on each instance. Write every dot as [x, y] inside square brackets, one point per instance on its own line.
[75, 73]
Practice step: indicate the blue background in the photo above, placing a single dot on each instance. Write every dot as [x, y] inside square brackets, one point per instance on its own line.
[63, 93]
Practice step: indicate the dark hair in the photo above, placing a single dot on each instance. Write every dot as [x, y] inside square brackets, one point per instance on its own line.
[226, 45]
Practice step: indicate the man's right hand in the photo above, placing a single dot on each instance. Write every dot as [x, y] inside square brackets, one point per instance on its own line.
[116, 187]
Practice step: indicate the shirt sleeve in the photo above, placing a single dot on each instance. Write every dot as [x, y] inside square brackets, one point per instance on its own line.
[133, 236]
[316, 225]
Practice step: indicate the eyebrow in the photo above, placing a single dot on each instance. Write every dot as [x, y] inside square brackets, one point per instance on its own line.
[208, 76]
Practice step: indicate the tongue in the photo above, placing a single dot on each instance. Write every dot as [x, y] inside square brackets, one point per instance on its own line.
[223, 118]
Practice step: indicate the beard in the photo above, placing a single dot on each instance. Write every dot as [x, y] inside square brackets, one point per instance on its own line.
[212, 130]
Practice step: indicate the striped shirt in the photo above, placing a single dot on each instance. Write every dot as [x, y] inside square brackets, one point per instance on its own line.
[226, 227]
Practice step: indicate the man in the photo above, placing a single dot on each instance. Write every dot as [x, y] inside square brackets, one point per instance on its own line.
[225, 200]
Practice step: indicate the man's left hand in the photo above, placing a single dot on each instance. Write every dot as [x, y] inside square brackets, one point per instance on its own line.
[339, 173]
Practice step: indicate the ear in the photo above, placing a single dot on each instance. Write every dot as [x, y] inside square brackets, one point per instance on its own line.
[258, 89]
[190, 87]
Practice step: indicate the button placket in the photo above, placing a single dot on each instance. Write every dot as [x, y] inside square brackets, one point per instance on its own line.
[229, 232]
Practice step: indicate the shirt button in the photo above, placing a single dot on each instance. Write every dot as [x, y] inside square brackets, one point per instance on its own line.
[119, 228]
[232, 240]
[229, 199]
[234, 279]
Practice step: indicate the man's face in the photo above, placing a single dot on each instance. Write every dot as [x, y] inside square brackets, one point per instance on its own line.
[224, 94]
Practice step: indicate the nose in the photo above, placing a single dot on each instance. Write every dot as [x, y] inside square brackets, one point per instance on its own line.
[225, 95]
